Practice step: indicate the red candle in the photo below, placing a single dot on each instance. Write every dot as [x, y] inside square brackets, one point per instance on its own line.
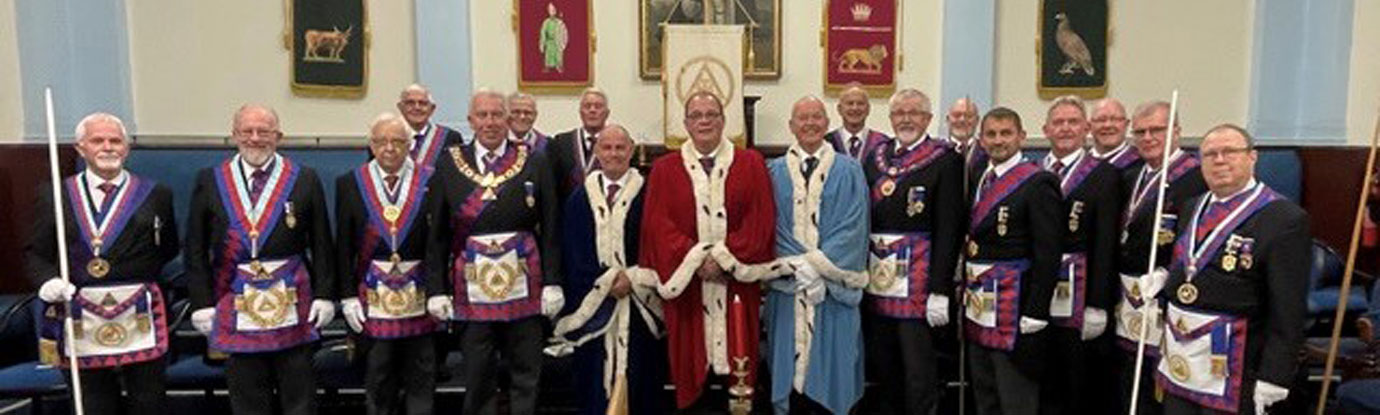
[738, 338]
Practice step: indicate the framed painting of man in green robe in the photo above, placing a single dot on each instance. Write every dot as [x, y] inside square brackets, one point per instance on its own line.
[555, 41]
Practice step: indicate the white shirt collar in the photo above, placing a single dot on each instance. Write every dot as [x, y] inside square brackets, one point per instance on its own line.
[862, 134]
[269, 166]
[962, 144]
[426, 130]
[1249, 186]
[527, 138]
[1165, 162]
[480, 151]
[712, 153]
[1102, 156]
[1068, 159]
[912, 146]
[93, 180]
[1005, 166]
[402, 171]
[622, 182]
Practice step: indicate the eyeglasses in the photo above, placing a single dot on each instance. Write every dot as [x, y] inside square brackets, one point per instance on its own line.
[696, 116]
[1104, 119]
[910, 113]
[415, 103]
[1225, 153]
[1141, 132]
[395, 142]
[260, 133]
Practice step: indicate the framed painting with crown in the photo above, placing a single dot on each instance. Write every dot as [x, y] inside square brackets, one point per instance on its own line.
[860, 45]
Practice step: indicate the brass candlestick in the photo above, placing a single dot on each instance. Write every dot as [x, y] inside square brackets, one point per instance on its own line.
[740, 401]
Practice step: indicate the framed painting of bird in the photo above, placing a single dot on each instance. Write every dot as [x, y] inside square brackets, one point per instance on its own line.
[1071, 53]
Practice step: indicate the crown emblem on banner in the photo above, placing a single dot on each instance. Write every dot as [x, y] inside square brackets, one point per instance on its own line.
[861, 12]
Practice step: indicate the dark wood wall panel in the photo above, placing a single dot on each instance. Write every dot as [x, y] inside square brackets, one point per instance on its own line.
[23, 168]
[1331, 184]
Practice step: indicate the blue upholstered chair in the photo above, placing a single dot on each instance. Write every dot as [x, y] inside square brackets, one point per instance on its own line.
[1324, 284]
[24, 377]
[1362, 396]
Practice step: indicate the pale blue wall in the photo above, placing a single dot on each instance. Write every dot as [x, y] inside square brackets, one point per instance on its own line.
[81, 49]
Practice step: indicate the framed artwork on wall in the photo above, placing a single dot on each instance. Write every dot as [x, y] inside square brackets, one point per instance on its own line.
[761, 21]
[329, 47]
[555, 40]
[860, 45]
[1071, 54]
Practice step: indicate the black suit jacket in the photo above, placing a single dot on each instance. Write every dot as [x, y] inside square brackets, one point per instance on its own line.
[1035, 221]
[352, 221]
[944, 215]
[1135, 248]
[207, 224]
[509, 213]
[564, 158]
[1272, 293]
[1097, 232]
[136, 255]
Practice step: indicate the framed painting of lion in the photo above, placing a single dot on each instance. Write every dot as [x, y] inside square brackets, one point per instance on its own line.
[860, 45]
[329, 47]
[1071, 54]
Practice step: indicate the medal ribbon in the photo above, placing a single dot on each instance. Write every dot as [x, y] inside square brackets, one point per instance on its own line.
[409, 196]
[919, 158]
[1004, 186]
[120, 207]
[431, 147]
[1178, 166]
[1195, 259]
[261, 217]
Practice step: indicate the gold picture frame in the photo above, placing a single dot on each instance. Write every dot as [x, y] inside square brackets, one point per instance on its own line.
[320, 46]
[1062, 72]
[763, 40]
[573, 84]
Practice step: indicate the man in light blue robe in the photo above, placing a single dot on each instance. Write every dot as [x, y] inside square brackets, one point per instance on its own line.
[814, 340]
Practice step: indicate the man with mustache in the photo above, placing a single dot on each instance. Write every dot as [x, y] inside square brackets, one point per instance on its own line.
[1011, 271]
[260, 264]
[614, 329]
[572, 152]
[120, 232]
[1087, 279]
[522, 115]
[381, 230]
[708, 231]
[917, 226]
[429, 139]
[853, 138]
[1236, 293]
[814, 341]
[1149, 128]
[493, 258]
[1109, 135]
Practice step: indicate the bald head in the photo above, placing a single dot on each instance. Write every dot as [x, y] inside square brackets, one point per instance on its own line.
[614, 150]
[853, 107]
[1109, 125]
[809, 123]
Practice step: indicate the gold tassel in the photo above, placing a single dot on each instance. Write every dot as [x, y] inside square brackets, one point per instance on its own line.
[618, 400]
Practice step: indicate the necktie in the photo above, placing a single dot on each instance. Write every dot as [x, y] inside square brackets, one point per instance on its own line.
[392, 181]
[257, 180]
[109, 189]
[1216, 213]
[1058, 167]
[489, 159]
[855, 147]
[987, 181]
[811, 163]
[611, 194]
[708, 164]
[417, 145]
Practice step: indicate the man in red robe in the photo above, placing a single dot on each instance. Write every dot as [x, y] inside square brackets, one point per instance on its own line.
[708, 232]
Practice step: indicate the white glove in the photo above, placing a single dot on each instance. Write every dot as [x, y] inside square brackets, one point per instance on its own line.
[56, 290]
[441, 307]
[1094, 322]
[321, 313]
[937, 310]
[804, 272]
[354, 313]
[1153, 283]
[1267, 394]
[1031, 325]
[202, 318]
[552, 299]
[808, 282]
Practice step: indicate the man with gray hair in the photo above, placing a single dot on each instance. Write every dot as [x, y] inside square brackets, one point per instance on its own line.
[493, 257]
[962, 120]
[429, 138]
[522, 115]
[1109, 126]
[614, 328]
[917, 226]
[814, 342]
[120, 233]
[1150, 128]
[261, 269]
[572, 152]
[1087, 280]
[381, 234]
[853, 138]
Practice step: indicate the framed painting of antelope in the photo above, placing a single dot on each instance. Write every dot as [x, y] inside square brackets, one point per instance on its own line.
[329, 45]
[860, 45]
[1071, 54]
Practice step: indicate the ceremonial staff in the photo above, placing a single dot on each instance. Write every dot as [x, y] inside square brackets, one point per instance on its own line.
[60, 223]
[1154, 246]
[961, 274]
[1350, 268]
